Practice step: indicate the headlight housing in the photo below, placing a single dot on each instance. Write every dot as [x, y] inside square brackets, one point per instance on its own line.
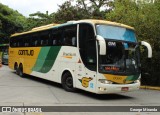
[104, 81]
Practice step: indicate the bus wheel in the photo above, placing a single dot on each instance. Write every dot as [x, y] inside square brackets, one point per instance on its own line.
[16, 68]
[67, 82]
[21, 74]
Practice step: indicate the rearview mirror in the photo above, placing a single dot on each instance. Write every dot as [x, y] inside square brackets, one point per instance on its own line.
[102, 45]
[148, 47]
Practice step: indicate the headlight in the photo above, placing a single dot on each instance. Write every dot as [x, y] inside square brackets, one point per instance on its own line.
[105, 81]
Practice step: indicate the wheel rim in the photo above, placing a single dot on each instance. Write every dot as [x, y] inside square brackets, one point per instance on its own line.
[69, 82]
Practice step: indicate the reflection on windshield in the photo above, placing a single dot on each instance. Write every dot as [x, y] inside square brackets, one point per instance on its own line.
[114, 53]
[116, 33]
[120, 58]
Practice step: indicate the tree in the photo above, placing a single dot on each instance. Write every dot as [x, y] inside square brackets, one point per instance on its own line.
[68, 12]
[38, 19]
[10, 22]
[95, 8]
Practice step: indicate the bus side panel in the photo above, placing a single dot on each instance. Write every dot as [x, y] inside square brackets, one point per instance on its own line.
[26, 56]
[67, 60]
[45, 63]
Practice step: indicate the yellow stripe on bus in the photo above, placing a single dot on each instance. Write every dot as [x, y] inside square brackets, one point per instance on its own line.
[22, 55]
[117, 78]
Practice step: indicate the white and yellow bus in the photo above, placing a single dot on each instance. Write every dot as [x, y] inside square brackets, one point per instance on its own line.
[93, 55]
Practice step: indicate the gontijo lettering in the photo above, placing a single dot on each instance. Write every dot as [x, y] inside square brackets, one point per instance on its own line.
[26, 52]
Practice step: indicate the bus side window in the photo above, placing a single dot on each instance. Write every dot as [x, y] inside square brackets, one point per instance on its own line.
[44, 38]
[56, 37]
[26, 44]
[44, 42]
[67, 40]
[19, 41]
[35, 40]
[74, 41]
[54, 41]
[27, 41]
[69, 35]
[14, 44]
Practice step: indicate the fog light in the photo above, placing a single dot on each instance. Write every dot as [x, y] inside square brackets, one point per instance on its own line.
[102, 88]
[105, 81]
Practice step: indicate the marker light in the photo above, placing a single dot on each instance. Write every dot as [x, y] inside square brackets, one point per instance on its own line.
[102, 89]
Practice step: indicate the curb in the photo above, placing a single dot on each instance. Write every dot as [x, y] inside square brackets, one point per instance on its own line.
[150, 87]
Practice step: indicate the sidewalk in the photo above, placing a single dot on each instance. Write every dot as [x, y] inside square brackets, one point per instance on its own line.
[150, 87]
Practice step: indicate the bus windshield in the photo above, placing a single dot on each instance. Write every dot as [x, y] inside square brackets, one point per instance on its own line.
[122, 51]
[114, 32]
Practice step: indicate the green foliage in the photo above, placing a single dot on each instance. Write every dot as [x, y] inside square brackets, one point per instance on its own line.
[68, 12]
[95, 8]
[10, 22]
[38, 19]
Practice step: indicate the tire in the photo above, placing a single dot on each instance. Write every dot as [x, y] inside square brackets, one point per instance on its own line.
[17, 69]
[21, 74]
[67, 82]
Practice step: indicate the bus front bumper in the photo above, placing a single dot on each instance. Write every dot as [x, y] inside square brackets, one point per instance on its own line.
[117, 88]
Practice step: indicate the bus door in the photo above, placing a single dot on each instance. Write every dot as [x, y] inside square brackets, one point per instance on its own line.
[86, 66]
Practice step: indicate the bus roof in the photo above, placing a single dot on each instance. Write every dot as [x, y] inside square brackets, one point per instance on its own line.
[92, 21]
[36, 29]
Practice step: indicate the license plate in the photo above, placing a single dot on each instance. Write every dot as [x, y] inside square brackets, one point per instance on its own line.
[124, 88]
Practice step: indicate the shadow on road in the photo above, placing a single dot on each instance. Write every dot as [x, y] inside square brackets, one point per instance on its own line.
[104, 96]
[80, 92]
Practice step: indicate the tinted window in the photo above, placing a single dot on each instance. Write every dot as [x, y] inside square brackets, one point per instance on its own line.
[31, 40]
[56, 37]
[35, 39]
[87, 46]
[70, 36]
[44, 38]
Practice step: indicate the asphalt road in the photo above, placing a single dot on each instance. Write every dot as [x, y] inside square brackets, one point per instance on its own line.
[31, 91]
